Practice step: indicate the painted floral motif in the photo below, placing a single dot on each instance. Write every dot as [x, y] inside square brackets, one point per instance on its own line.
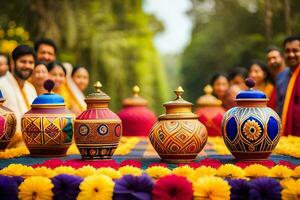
[252, 130]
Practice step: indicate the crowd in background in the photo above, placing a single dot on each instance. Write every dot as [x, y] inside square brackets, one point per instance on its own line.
[23, 75]
[277, 77]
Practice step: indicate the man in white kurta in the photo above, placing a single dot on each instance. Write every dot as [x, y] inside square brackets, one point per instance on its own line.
[17, 91]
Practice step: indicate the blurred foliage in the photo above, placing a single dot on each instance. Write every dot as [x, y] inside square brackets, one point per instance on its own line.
[11, 35]
[113, 39]
[229, 33]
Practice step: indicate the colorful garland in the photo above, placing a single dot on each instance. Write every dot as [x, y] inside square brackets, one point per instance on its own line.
[227, 181]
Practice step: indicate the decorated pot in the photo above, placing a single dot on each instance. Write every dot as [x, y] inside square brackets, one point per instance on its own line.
[47, 128]
[251, 130]
[97, 129]
[8, 124]
[137, 118]
[178, 136]
[210, 112]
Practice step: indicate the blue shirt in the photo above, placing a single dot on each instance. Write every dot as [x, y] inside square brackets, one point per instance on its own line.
[281, 82]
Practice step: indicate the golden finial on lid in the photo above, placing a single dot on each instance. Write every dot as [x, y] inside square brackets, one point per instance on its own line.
[136, 90]
[179, 92]
[98, 86]
[208, 89]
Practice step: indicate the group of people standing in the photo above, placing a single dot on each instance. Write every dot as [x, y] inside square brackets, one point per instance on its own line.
[22, 78]
[278, 77]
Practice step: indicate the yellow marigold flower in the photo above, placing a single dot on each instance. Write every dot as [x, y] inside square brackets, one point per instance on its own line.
[280, 171]
[44, 171]
[65, 170]
[108, 171]
[230, 170]
[256, 170]
[205, 171]
[291, 189]
[85, 171]
[130, 170]
[158, 171]
[36, 188]
[297, 171]
[97, 187]
[211, 188]
[17, 170]
[185, 171]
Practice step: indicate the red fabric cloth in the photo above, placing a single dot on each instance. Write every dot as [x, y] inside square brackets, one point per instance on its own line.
[272, 101]
[293, 119]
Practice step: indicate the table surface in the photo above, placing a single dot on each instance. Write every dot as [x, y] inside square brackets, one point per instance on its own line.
[144, 152]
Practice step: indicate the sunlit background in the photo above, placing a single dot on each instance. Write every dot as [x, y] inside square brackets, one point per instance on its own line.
[156, 44]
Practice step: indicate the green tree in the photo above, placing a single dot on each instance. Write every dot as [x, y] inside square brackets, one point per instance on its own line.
[229, 33]
[114, 39]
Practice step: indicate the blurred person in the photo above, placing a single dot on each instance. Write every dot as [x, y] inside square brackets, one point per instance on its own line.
[39, 76]
[291, 106]
[46, 50]
[236, 77]
[259, 72]
[18, 92]
[77, 94]
[220, 85]
[264, 82]
[58, 73]
[4, 67]
[280, 73]
[80, 76]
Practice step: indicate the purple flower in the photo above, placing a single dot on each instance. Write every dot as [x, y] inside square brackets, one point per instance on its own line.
[239, 189]
[18, 179]
[66, 187]
[8, 188]
[264, 188]
[133, 187]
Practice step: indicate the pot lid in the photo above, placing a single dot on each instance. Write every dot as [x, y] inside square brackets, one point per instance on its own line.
[178, 101]
[49, 98]
[135, 100]
[208, 99]
[250, 93]
[178, 108]
[1, 96]
[98, 95]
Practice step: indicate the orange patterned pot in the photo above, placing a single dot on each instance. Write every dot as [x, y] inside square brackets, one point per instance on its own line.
[47, 128]
[97, 130]
[8, 124]
[178, 136]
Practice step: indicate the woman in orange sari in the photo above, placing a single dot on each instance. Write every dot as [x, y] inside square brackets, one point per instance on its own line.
[57, 73]
[264, 82]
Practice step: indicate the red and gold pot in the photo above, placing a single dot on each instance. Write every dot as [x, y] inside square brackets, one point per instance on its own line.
[97, 130]
[137, 118]
[8, 124]
[210, 112]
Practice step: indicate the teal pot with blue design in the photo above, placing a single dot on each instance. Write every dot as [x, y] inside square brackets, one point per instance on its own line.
[251, 130]
[47, 128]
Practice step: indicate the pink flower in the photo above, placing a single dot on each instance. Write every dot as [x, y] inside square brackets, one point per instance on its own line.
[133, 163]
[172, 187]
[266, 163]
[209, 162]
